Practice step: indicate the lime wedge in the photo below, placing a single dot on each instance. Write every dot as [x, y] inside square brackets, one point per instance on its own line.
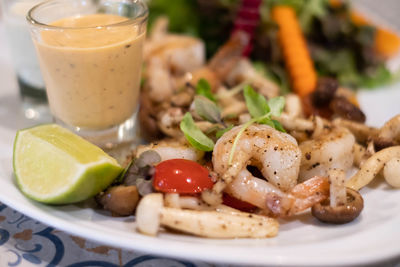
[55, 166]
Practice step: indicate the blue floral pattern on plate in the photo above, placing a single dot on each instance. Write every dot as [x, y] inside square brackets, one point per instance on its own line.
[26, 242]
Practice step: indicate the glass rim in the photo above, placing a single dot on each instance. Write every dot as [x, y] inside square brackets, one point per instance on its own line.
[139, 19]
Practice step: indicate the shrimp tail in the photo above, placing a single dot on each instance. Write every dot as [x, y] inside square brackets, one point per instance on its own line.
[229, 54]
[301, 197]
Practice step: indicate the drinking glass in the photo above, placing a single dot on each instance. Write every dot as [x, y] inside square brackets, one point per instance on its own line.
[90, 54]
[31, 86]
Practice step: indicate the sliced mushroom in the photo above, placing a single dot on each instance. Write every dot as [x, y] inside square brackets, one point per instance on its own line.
[389, 134]
[342, 213]
[325, 91]
[391, 172]
[293, 107]
[360, 155]
[119, 200]
[337, 190]
[372, 167]
[295, 124]
[343, 108]
[173, 200]
[361, 131]
[151, 214]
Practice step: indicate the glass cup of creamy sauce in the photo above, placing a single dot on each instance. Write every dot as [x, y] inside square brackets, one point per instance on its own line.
[90, 55]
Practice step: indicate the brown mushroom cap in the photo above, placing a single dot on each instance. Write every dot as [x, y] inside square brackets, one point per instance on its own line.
[120, 200]
[342, 213]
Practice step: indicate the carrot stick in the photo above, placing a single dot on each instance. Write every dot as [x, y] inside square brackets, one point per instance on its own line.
[295, 53]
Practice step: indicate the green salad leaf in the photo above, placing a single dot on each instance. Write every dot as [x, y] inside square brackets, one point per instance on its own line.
[194, 135]
[203, 88]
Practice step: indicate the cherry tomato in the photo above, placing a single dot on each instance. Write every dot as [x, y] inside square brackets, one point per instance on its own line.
[237, 203]
[181, 176]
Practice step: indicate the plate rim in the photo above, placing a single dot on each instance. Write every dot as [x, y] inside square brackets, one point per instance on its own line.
[186, 250]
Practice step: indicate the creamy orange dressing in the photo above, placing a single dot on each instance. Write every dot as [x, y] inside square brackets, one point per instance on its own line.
[92, 75]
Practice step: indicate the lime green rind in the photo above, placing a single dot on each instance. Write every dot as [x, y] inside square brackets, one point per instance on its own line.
[82, 189]
[85, 181]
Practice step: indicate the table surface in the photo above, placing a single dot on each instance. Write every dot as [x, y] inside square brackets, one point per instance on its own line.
[27, 242]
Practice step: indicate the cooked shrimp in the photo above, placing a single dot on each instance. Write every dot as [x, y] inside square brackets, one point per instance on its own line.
[332, 150]
[182, 53]
[159, 29]
[220, 64]
[168, 121]
[157, 70]
[172, 149]
[295, 124]
[229, 55]
[268, 197]
[276, 154]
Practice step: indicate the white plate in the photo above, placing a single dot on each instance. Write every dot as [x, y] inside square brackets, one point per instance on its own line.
[303, 241]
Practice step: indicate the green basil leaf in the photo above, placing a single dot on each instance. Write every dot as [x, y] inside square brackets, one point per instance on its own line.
[203, 88]
[193, 134]
[266, 121]
[207, 109]
[276, 105]
[278, 126]
[221, 132]
[255, 102]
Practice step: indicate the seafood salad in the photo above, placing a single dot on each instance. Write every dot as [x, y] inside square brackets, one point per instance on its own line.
[229, 156]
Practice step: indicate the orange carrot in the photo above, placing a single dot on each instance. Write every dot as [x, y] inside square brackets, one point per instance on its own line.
[386, 43]
[295, 53]
[335, 3]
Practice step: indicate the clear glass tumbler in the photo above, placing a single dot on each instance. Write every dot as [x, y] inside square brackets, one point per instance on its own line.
[90, 54]
[30, 82]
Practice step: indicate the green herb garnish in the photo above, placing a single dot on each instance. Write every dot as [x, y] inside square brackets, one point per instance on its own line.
[256, 103]
[207, 109]
[194, 135]
[261, 111]
[203, 88]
